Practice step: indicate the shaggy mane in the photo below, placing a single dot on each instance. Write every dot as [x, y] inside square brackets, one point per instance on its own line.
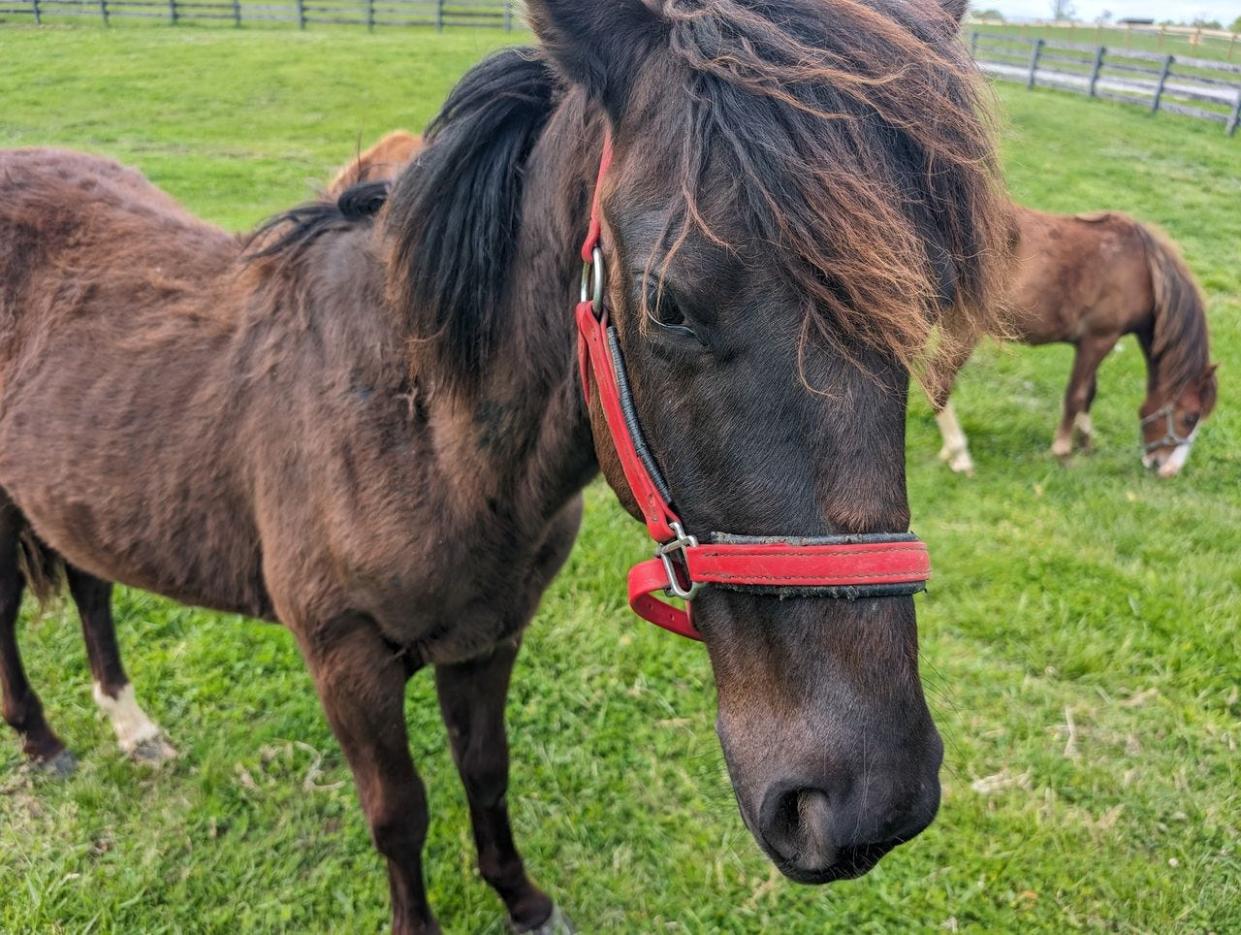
[855, 138]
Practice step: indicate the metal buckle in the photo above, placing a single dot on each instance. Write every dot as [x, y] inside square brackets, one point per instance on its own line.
[592, 281]
[665, 554]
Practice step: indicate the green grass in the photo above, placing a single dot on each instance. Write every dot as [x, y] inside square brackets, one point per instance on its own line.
[1095, 592]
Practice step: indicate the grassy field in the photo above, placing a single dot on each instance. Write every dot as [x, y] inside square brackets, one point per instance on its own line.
[1081, 642]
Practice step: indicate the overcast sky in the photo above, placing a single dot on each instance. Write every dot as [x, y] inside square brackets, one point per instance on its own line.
[1223, 10]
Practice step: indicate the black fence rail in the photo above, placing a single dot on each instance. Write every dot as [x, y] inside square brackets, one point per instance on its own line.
[1193, 87]
[439, 14]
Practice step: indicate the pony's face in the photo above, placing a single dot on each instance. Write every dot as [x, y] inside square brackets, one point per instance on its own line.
[770, 271]
[1170, 425]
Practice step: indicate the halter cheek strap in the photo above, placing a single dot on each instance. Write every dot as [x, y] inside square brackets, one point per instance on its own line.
[839, 567]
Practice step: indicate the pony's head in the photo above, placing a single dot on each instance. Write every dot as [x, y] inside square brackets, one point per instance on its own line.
[1171, 419]
[801, 190]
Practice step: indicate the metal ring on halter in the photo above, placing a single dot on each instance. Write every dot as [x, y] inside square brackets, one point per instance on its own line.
[665, 553]
[592, 281]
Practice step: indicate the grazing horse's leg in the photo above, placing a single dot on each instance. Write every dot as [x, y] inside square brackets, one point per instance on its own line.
[22, 708]
[1081, 392]
[137, 735]
[939, 383]
[472, 697]
[361, 683]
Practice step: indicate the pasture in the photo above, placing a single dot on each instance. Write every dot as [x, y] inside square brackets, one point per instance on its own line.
[1081, 640]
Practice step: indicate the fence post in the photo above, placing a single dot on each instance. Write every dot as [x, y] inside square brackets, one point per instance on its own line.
[1163, 80]
[172, 12]
[301, 14]
[1098, 67]
[1236, 117]
[370, 15]
[38, 17]
[103, 11]
[439, 15]
[1232, 43]
[237, 13]
[508, 15]
[974, 44]
[1034, 57]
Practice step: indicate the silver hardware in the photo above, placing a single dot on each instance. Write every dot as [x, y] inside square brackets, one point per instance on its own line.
[592, 281]
[665, 554]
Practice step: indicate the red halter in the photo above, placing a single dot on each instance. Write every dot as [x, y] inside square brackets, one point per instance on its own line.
[845, 567]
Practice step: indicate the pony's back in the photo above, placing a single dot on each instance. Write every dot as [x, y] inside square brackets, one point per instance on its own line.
[98, 227]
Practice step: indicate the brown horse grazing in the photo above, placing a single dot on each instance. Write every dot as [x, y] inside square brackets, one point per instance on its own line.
[381, 163]
[372, 429]
[1088, 280]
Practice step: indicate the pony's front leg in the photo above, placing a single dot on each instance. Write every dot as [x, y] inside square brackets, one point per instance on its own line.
[361, 682]
[1079, 396]
[472, 698]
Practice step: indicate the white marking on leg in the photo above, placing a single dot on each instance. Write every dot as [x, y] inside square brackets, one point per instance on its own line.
[956, 450]
[1084, 426]
[1062, 447]
[133, 728]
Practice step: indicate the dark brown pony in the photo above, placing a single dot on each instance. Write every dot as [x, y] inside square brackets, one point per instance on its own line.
[1088, 280]
[371, 428]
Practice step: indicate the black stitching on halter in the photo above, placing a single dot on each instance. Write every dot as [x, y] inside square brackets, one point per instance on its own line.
[631, 417]
[840, 593]
[861, 538]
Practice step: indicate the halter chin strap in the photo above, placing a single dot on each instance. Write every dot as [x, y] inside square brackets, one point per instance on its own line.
[841, 567]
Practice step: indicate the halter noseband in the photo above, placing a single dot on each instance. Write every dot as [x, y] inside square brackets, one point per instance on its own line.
[1170, 439]
[842, 567]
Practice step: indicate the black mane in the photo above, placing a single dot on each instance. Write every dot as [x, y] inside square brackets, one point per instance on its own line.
[454, 215]
[296, 230]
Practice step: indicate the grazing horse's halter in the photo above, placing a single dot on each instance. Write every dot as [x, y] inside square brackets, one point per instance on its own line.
[845, 567]
[1170, 439]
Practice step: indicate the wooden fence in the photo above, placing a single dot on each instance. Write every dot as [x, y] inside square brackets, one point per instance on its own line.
[496, 14]
[1195, 87]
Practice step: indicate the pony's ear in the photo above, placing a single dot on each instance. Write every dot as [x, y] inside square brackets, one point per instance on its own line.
[956, 8]
[1208, 388]
[599, 44]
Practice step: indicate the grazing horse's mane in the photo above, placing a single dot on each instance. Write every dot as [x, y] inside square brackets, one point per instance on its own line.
[1180, 342]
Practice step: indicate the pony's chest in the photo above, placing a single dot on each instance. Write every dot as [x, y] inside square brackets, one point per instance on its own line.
[468, 589]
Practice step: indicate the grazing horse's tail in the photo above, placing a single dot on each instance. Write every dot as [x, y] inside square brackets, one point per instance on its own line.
[1180, 342]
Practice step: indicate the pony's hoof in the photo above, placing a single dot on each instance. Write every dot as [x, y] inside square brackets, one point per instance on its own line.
[1062, 448]
[962, 463]
[153, 751]
[62, 765]
[557, 924]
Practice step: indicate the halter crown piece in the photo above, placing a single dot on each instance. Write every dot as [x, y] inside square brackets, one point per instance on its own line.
[841, 567]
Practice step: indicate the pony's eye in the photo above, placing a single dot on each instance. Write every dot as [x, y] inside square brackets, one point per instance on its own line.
[664, 310]
[1191, 419]
[667, 313]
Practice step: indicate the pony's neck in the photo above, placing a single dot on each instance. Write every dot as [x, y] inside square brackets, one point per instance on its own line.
[525, 425]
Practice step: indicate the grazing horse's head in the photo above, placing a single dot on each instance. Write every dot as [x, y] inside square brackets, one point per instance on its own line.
[1171, 418]
[800, 189]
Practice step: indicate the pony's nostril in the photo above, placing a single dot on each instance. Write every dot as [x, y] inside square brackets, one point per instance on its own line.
[796, 825]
